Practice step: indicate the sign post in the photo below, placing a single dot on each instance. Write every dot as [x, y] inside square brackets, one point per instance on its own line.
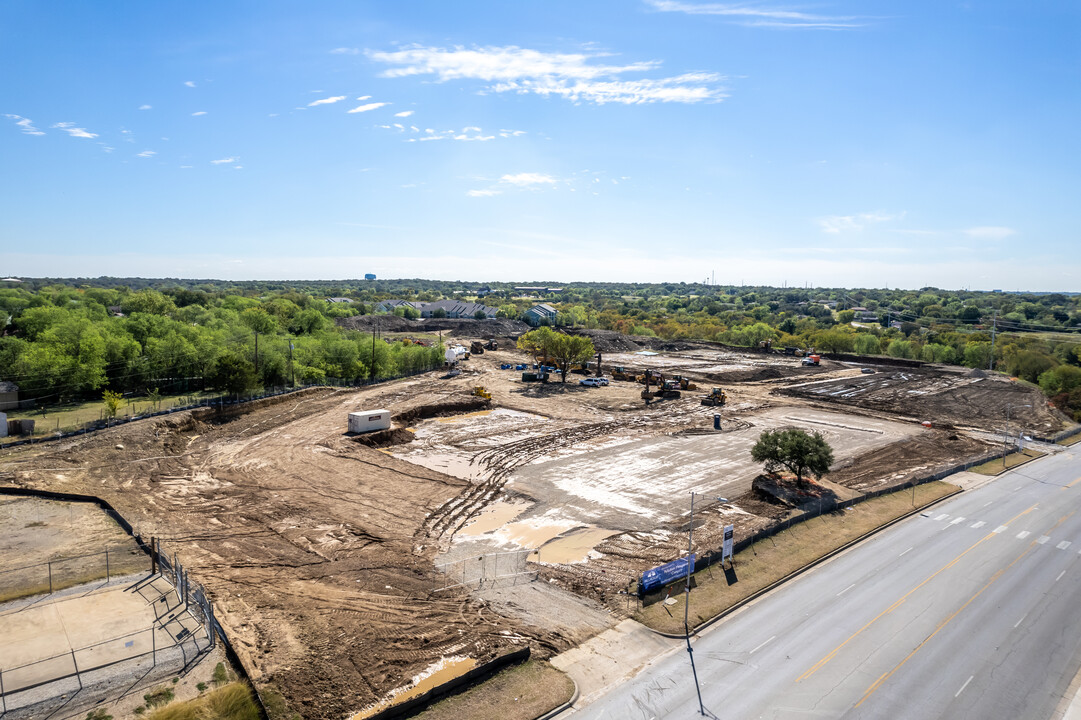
[726, 550]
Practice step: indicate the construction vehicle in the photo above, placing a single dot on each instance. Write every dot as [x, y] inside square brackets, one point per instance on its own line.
[811, 360]
[685, 383]
[481, 392]
[669, 389]
[620, 373]
[716, 397]
[650, 376]
[491, 345]
[476, 348]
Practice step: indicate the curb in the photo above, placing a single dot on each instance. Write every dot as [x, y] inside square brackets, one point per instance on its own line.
[565, 706]
[795, 573]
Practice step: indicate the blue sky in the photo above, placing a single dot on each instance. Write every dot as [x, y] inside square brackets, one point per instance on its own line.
[871, 143]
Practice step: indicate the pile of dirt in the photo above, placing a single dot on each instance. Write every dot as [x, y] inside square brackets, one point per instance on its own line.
[607, 341]
[458, 327]
[918, 457]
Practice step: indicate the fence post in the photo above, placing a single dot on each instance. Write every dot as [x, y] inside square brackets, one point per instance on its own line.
[153, 646]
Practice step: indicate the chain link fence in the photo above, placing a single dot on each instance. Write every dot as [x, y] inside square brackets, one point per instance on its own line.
[488, 570]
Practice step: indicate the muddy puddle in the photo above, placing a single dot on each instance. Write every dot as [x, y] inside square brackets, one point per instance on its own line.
[492, 518]
[431, 677]
[574, 547]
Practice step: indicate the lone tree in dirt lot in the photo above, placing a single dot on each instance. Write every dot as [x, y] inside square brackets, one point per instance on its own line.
[564, 350]
[796, 450]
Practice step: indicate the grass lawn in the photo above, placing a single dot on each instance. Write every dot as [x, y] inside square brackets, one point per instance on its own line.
[74, 415]
[769, 560]
[997, 466]
[522, 692]
[1072, 440]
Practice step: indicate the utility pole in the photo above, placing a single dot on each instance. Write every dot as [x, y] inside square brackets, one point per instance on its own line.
[292, 377]
[257, 352]
[994, 327]
[687, 602]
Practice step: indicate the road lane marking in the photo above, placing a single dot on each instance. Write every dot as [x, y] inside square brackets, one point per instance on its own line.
[887, 675]
[1078, 480]
[979, 524]
[1020, 621]
[1043, 540]
[905, 551]
[832, 653]
[1023, 534]
[964, 686]
[1060, 576]
[752, 652]
[943, 516]
[957, 520]
[1064, 544]
[1001, 528]
[846, 589]
[988, 503]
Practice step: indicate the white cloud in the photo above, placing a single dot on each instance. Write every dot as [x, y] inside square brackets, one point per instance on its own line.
[853, 223]
[404, 113]
[525, 179]
[224, 161]
[365, 97]
[197, 114]
[327, 101]
[146, 153]
[345, 51]
[759, 16]
[990, 232]
[574, 76]
[26, 124]
[78, 132]
[189, 83]
[366, 108]
[484, 193]
[145, 107]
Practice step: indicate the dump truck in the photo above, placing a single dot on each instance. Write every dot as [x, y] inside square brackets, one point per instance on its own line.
[716, 398]
[491, 345]
[811, 360]
[476, 348]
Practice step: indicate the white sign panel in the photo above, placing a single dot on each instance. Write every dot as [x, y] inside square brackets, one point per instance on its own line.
[726, 550]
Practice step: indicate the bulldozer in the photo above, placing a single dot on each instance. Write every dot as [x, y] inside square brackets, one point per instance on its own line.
[716, 398]
[669, 389]
[481, 392]
[650, 377]
[476, 348]
[620, 373]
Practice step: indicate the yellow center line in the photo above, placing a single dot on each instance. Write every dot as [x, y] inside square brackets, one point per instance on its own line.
[832, 653]
[1066, 487]
[886, 676]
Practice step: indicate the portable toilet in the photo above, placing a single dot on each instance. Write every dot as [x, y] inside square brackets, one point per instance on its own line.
[3, 424]
[369, 420]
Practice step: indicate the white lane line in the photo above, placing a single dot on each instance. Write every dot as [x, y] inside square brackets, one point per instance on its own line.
[762, 645]
[1021, 620]
[1064, 544]
[957, 520]
[846, 589]
[1043, 539]
[1060, 576]
[1023, 534]
[979, 524]
[964, 686]
[943, 516]
[987, 503]
[904, 552]
[1000, 528]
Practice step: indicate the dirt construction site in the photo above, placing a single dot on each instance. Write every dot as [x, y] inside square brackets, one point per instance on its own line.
[344, 568]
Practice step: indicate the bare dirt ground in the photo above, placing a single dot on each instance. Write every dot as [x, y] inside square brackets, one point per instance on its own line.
[320, 552]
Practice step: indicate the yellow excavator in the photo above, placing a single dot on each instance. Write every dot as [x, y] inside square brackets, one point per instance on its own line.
[482, 392]
[716, 398]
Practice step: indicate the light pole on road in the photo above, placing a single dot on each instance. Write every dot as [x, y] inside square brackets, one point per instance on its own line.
[687, 601]
[1005, 438]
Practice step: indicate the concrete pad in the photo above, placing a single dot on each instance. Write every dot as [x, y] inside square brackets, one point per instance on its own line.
[612, 657]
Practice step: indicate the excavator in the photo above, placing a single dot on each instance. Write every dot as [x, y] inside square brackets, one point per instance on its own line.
[482, 392]
[621, 373]
[716, 398]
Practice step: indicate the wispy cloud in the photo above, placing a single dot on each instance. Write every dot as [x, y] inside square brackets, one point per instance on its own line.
[854, 223]
[26, 124]
[990, 232]
[146, 154]
[527, 178]
[366, 107]
[404, 113]
[145, 107]
[483, 193]
[467, 134]
[758, 15]
[197, 114]
[345, 51]
[327, 101]
[189, 83]
[574, 76]
[225, 161]
[78, 132]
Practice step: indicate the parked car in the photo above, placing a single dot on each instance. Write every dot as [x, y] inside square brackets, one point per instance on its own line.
[593, 382]
[868, 371]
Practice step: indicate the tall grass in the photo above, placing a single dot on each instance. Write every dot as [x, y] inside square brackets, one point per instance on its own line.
[229, 702]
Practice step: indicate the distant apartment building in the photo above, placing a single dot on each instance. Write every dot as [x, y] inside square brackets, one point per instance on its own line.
[540, 314]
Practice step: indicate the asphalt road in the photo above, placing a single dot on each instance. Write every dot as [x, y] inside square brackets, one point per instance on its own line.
[972, 610]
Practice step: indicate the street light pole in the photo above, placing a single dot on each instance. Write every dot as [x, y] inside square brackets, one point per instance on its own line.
[687, 604]
[1006, 436]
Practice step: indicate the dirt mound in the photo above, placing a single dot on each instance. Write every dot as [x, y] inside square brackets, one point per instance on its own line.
[919, 457]
[607, 341]
[459, 327]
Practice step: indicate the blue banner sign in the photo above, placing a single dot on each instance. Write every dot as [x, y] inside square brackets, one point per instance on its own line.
[664, 574]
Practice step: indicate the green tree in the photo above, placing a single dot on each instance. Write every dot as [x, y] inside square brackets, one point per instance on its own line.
[154, 396]
[480, 315]
[112, 402]
[978, 354]
[866, 344]
[794, 449]
[539, 343]
[570, 349]
[233, 374]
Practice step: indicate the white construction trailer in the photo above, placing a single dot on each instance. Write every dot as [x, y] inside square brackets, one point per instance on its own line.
[369, 420]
